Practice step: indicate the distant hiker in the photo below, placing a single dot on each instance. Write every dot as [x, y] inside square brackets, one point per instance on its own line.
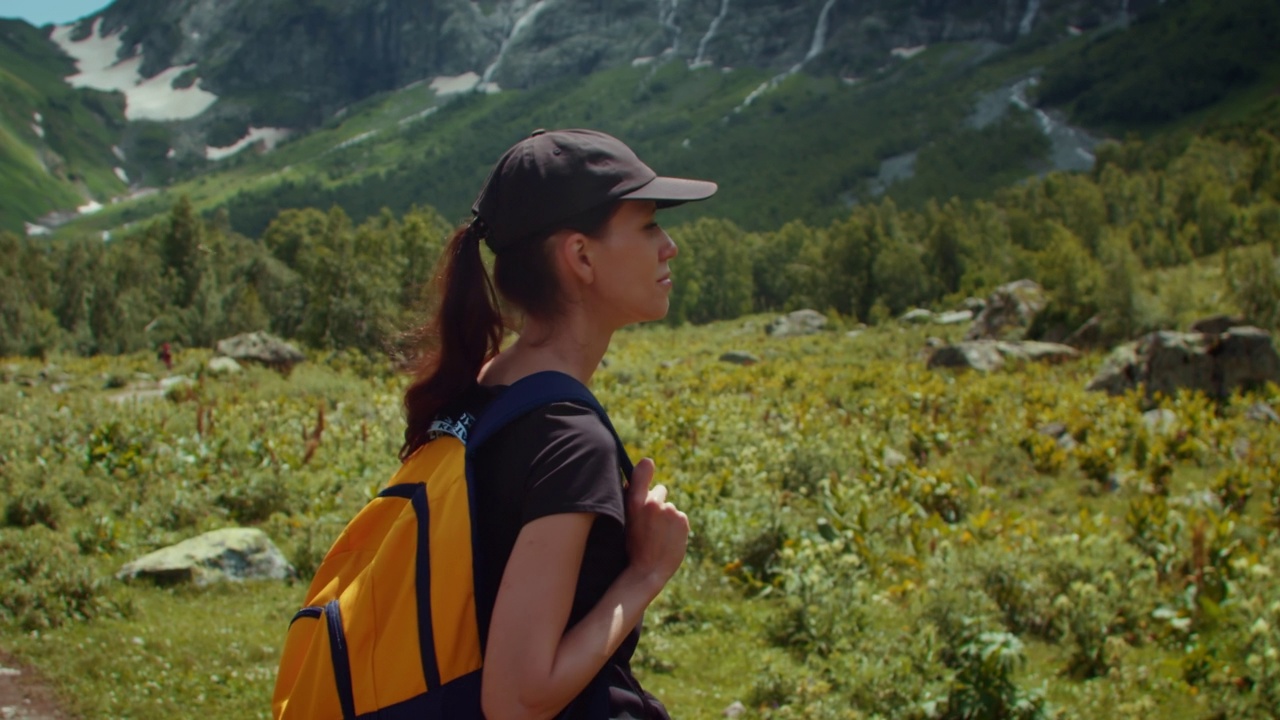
[569, 543]
[166, 356]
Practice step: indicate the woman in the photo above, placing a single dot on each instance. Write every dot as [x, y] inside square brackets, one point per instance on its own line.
[571, 559]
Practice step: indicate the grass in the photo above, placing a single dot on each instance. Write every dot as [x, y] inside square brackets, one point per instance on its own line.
[757, 456]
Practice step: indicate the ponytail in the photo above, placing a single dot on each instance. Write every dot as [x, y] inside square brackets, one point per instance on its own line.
[464, 333]
[467, 328]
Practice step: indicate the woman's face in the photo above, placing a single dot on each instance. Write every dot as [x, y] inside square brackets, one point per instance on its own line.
[630, 257]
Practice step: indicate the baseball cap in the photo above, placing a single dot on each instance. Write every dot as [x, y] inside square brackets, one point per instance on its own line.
[553, 175]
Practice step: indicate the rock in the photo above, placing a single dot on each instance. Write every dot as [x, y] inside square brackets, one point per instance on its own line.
[1160, 421]
[974, 305]
[988, 355]
[170, 383]
[854, 333]
[892, 458]
[1036, 351]
[739, 357]
[954, 317]
[1217, 324]
[1216, 365]
[735, 710]
[800, 322]
[261, 347]
[227, 554]
[1009, 311]
[1058, 431]
[1262, 412]
[1088, 335]
[981, 355]
[916, 315]
[223, 366]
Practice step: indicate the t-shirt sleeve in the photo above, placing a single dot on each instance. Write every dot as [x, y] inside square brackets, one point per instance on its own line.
[574, 465]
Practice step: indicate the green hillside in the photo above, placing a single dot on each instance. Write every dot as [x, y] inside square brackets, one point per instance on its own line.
[52, 163]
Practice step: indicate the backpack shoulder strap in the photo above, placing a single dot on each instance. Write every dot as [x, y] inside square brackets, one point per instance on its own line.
[532, 392]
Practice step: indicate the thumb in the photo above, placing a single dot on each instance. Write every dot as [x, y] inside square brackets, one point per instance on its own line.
[641, 476]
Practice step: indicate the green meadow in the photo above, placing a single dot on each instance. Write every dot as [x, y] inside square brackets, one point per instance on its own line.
[870, 538]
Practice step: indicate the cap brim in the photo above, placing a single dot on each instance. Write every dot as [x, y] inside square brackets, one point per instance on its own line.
[668, 192]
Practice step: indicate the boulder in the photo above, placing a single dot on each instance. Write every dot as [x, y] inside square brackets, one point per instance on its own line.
[1088, 335]
[954, 317]
[220, 555]
[1217, 324]
[800, 322]
[223, 366]
[260, 347]
[1262, 412]
[1217, 365]
[1160, 421]
[988, 355]
[916, 315]
[1009, 311]
[981, 355]
[739, 357]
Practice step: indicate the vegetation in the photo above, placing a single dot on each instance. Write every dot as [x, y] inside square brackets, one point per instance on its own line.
[318, 278]
[871, 539]
[50, 162]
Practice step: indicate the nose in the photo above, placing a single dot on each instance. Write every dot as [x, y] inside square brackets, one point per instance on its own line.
[669, 248]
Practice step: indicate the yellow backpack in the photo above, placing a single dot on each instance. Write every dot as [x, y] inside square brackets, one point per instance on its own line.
[389, 627]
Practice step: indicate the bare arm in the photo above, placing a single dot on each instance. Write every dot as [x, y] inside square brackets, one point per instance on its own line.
[533, 668]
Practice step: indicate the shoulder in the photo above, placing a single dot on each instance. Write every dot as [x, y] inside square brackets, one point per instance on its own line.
[564, 424]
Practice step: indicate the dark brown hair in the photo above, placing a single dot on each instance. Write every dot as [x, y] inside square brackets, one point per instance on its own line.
[466, 329]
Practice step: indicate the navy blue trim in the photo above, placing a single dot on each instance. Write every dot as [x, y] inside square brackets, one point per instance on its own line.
[312, 612]
[426, 633]
[341, 660]
[459, 699]
[404, 491]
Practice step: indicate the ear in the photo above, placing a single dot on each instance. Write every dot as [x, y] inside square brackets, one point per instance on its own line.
[575, 258]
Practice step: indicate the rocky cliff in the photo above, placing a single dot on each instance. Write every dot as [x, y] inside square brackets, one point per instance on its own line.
[291, 62]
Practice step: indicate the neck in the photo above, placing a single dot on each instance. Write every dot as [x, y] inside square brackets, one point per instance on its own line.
[571, 346]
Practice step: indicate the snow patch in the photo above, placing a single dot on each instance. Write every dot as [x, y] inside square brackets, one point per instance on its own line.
[34, 229]
[152, 98]
[37, 117]
[89, 208]
[267, 136]
[38, 130]
[642, 61]
[466, 82]
[906, 53]
[356, 140]
[120, 173]
[419, 115]
[1074, 31]
[173, 153]
[115, 150]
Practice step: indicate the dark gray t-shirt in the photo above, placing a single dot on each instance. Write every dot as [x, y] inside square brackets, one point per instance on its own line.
[559, 459]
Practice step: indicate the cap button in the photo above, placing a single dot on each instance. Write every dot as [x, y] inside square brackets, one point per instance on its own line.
[539, 131]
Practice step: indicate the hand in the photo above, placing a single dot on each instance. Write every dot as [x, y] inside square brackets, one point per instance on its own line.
[657, 532]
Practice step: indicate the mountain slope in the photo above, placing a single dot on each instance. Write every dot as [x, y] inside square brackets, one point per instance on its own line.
[55, 141]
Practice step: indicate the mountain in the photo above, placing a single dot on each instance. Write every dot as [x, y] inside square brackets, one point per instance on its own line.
[804, 107]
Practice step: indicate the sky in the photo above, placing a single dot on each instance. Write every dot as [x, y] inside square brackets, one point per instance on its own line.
[40, 12]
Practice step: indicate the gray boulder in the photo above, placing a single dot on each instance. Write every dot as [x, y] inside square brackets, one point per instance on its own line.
[989, 355]
[1217, 365]
[1009, 311]
[223, 366]
[954, 317]
[220, 555]
[800, 322]
[1217, 324]
[261, 347]
[739, 357]
[916, 316]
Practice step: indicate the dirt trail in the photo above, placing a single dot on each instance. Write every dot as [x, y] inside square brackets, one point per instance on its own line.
[24, 695]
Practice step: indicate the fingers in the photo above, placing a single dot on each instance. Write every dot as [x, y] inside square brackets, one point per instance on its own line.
[658, 493]
[641, 476]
